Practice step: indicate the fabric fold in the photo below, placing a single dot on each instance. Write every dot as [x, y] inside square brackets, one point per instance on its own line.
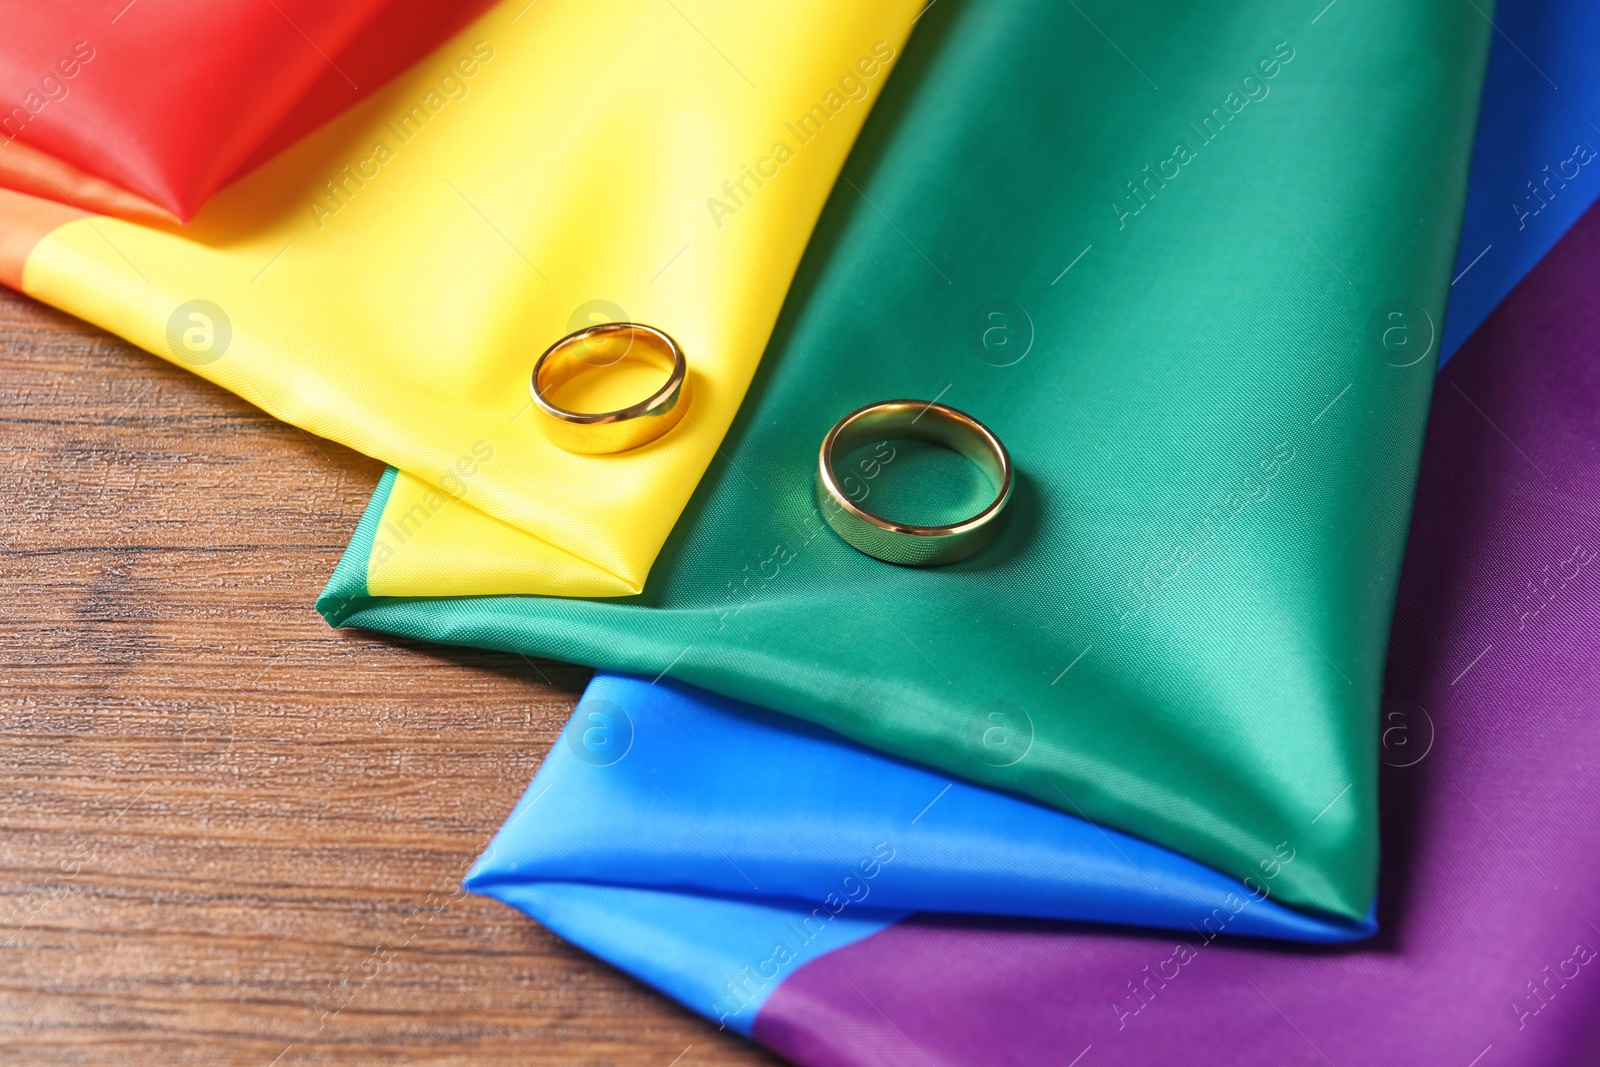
[1536, 161]
[87, 124]
[24, 169]
[389, 280]
[1203, 318]
[655, 785]
[671, 804]
[78, 85]
[1491, 733]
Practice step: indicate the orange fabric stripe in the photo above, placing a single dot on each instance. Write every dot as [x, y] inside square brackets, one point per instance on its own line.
[29, 170]
[24, 222]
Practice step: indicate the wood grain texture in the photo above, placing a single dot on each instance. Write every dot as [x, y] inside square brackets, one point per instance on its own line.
[231, 835]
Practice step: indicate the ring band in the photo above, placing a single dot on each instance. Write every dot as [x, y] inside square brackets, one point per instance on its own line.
[601, 432]
[896, 542]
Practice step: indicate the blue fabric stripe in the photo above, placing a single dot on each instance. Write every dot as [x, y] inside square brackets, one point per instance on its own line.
[1517, 209]
[664, 786]
[710, 847]
[719, 957]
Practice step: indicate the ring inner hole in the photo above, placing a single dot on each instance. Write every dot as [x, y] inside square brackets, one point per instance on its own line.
[606, 372]
[913, 481]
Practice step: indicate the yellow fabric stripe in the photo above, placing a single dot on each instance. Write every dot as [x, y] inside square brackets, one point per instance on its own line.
[430, 544]
[389, 281]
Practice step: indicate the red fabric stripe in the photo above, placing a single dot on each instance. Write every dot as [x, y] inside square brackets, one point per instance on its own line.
[168, 99]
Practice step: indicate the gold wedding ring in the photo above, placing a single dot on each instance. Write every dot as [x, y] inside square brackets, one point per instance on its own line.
[895, 542]
[600, 432]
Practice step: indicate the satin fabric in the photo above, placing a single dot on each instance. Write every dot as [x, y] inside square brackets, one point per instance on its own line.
[1536, 161]
[775, 828]
[1177, 635]
[78, 84]
[389, 281]
[24, 169]
[94, 126]
[1489, 904]
[1528, 131]
[686, 945]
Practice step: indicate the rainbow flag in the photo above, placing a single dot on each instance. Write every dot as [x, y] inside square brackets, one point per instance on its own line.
[1189, 288]
[818, 949]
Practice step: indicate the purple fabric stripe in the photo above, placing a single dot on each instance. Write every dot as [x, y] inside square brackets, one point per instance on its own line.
[1490, 895]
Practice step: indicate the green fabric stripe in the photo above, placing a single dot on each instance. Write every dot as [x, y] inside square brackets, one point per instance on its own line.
[346, 591]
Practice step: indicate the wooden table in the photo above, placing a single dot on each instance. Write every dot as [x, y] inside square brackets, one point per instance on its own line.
[230, 834]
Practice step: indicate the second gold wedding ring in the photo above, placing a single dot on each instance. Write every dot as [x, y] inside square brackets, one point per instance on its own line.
[895, 542]
[601, 432]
